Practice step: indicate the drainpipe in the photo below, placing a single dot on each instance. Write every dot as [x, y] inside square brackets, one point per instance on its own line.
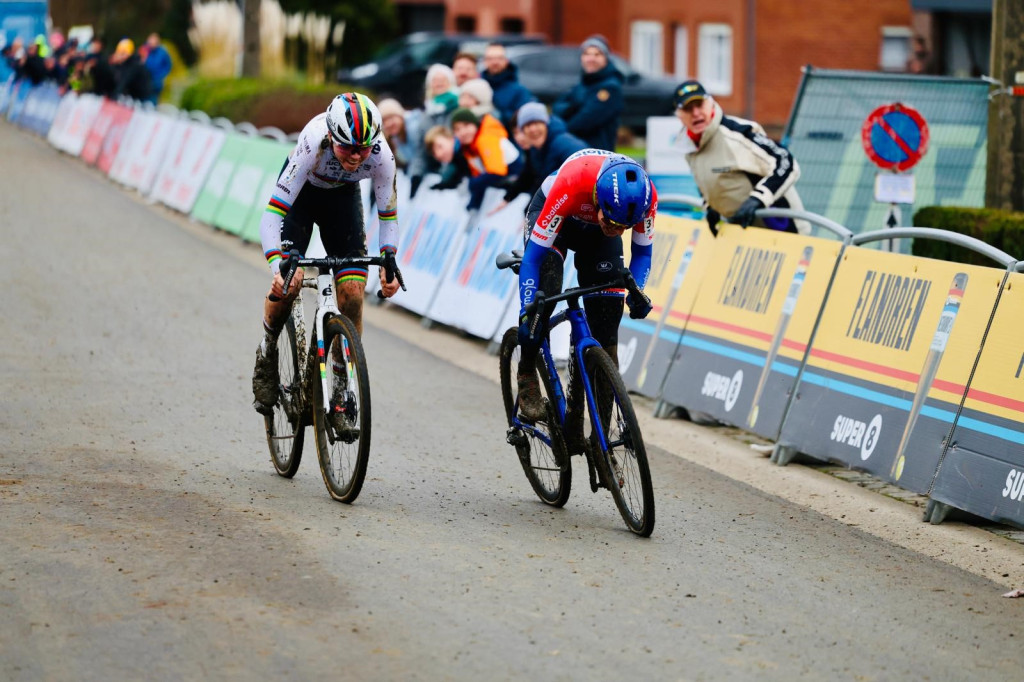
[751, 59]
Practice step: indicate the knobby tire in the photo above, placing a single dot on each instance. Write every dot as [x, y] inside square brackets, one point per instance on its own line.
[546, 467]
[342, 464]
[624, 461]
[286, 428]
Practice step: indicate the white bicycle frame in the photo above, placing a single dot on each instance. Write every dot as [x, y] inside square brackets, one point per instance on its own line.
[326, 304]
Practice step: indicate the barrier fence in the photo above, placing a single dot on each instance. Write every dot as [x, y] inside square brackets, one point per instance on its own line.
[905, 367]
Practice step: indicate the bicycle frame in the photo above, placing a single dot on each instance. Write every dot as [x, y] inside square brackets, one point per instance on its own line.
[580, 339]
[326, 304]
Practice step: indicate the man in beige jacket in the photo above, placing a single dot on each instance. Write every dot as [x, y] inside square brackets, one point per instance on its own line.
[737, 168]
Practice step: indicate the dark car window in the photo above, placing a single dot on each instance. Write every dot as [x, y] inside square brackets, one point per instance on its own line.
[427, 52]
[550, 60]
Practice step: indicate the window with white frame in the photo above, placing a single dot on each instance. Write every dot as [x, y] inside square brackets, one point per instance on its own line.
[681, 60]
[645, 47]
[895, 51]
[714, 58]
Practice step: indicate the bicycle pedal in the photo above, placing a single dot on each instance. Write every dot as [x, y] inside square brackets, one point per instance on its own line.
[515, 437]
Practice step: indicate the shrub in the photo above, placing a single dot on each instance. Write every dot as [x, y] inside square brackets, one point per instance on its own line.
[282, 104]
[1002, 229]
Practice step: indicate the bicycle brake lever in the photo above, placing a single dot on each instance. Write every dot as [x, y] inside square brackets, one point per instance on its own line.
[290, 265]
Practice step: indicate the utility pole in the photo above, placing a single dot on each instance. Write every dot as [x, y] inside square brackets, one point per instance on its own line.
[1004, 180]
[251, 38]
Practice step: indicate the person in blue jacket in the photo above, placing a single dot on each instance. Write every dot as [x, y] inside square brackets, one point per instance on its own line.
[503, 77]
[158, 63]
[546, 144]
[591, 110]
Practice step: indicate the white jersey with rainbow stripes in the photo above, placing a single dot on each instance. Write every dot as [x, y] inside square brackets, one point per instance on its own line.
[313, 162]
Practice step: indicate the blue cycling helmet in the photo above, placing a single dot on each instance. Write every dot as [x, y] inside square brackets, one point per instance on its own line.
[623, 190]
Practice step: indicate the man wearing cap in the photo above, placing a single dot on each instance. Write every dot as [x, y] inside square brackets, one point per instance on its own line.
[503, 77]
[736, 166]
[546, 145]
[591, 110]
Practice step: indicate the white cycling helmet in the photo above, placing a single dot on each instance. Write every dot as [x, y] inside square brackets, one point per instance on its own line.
[352, 119]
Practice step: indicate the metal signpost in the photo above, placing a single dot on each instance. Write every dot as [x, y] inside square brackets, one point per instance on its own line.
[895, 138]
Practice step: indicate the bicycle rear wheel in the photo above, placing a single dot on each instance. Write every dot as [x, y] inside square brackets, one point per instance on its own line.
[343, 433]
[623, 456]
[540, 446]
[286, 428]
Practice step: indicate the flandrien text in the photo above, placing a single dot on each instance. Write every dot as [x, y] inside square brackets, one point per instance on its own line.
[888, 309]
[751, 279]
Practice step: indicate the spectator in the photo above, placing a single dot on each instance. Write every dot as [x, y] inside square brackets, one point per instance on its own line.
[503, 77]
[441, 95]
[130, 75]
[401, 131]
[546, 145]
[464, 68]
[158, 63]
[737, 168]
[98, 74]
[33, 67]
[489, 156]
[477, 96]
[591, 110]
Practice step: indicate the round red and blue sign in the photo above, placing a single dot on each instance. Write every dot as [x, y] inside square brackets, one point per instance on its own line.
[895, 136]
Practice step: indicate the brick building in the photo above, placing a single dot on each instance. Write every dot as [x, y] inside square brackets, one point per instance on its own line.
[748, 52]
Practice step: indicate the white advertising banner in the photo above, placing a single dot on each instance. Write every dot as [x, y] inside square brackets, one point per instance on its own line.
[432, 235]
[150, 152]
[72, 140]
[134, 135]
[63, 119]
[194, 149]
[474, 293]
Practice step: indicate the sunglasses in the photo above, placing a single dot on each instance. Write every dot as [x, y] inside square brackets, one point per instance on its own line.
[354, 150]
[613, 224]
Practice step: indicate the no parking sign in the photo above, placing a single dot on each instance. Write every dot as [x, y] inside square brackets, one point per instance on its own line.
[895, 137]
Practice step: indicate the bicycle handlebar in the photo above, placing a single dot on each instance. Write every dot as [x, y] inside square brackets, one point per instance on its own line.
[513, 259]
[294, 261]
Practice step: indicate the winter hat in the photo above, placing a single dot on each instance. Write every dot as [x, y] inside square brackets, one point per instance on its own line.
[599, 41]
[480, 90]
[464, 115]
[532, 112]
[390, 107]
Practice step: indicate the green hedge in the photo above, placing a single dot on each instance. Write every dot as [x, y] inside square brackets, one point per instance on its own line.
[283, 104]
[1001, 229]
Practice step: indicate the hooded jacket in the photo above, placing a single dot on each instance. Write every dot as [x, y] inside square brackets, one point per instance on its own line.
[508, 93]
[591, 110]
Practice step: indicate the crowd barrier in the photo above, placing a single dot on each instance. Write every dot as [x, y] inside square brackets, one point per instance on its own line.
[901, 366]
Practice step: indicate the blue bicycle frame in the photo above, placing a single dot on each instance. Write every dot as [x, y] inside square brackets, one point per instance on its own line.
[580, 339]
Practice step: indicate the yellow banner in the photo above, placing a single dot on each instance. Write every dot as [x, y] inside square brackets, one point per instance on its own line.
[883, 319]
[998, 384]
[889, 366]
[749, 325]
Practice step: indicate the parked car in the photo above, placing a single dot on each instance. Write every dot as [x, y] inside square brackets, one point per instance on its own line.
[400, 67]
[550, 70]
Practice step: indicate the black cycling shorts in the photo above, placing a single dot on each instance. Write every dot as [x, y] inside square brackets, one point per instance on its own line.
[339, 213]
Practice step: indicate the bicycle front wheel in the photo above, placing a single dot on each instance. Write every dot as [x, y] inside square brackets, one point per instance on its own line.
[540, 446]
[622, 455]
[342, 430]
[286, 428]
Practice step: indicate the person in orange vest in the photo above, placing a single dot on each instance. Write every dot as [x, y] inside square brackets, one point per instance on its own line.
[488, 157]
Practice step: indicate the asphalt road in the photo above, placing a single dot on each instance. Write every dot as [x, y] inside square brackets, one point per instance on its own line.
[144, 535]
